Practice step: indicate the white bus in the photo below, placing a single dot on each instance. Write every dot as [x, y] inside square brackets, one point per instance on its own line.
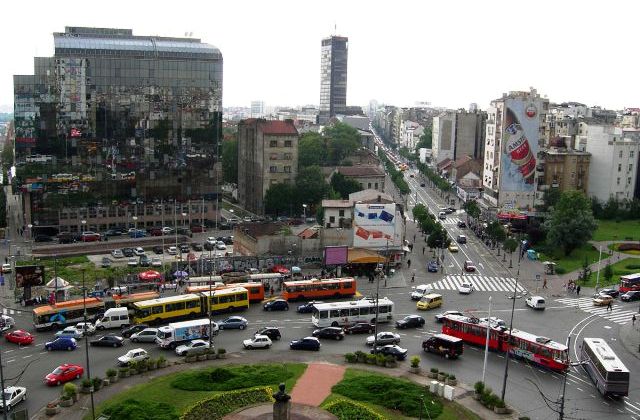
[350, 312]
[606, 370]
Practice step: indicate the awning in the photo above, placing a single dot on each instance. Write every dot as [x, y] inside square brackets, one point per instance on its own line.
[364, 256]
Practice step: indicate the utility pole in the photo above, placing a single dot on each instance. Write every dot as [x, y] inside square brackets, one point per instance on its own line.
[4, 400]
[86, 344]
[564, 385]
[486, 344]
[209, 302]
[513, 308]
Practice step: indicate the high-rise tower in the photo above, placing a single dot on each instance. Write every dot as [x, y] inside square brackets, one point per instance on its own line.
[333, 77]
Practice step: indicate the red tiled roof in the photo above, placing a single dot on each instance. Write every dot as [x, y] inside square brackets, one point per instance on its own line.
[273, 126]
[364, 170]
[461, 161]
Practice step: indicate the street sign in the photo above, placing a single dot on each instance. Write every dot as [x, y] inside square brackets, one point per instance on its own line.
[537, 277]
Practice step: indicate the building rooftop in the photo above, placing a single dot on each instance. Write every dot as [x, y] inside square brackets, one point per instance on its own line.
[336, 203]
[286, 127]
[461, 161]
[367, 196]
[256, 230]
[360, 170]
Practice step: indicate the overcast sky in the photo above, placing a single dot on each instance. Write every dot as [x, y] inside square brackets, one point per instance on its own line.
[449, 53]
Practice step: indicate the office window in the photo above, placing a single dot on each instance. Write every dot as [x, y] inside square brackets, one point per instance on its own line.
[273, 169]
[631, 153]
[618, 181]
[287, 156]
[341, 213]
[630, 167]
[369, 185]
[376, 187]
[273, 143]
[287, 169]
[287, 143]
[332, 219]
[619, 154]
[619, 167]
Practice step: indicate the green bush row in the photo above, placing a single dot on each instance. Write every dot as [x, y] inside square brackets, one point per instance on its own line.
[220, 405]
[231, 378]
[348, 410]
[132, 409]
[371, 359]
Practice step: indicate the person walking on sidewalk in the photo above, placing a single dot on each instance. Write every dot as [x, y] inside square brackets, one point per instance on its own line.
[408, 263]
[422, 250]
[413, 278]
[633, 319]
[578, 291]
[544, 284]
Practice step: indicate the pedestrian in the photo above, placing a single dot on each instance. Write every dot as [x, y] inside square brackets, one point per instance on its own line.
[413, 277]
[414, 237]
[633, 319]
[578, 291]
[422, 250]
[609, 307]
[544, 284]
[408, 263]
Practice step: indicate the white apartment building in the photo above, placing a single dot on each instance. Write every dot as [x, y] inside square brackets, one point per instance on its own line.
[410, 134]
[257, 109]
[614, 160]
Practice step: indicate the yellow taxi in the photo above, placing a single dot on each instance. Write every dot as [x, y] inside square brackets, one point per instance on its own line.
[430, 301]
[453, 247]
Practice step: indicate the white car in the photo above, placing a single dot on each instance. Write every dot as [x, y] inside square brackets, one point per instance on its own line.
[167, 230]
[72, 332]
[6, 268]
[13, 395]
[193, 347]
[465, 288]
[420, 291]
[257, 342]
[139, 251]
[117, 253]
[134, 355]
[156, 262]
[132, 262]
[220, 245]
[88, 328]
[211, 240]
[7, 322]
[172, 250]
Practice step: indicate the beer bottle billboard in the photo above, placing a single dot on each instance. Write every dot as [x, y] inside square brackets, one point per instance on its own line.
[517, 149]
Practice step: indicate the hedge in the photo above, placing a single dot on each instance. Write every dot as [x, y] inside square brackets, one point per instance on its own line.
[222, 404]
[348, 410]
[132, 409]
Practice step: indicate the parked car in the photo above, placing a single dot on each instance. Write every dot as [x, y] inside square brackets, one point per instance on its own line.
[61, 343]
[257, 342]
[614, 293]
[384, 337]
[465, 288]
[307, 308]
[129, 331]
[21, 337]
[127, 252]
[228, 240]
[233, 322]
[276, 305]
[64, 373]
[148, 335]
[112, 232]
[172, 250]
[432, 267]
[137, 233]
[335, 333]
[106, 262]
[630, 296]
[108, 341]
[196, 246]
[138, 251]
[72, 332]
[221, 246]
[117, 253]
[6, 268]
[360, 328]
[87, 328]
[156, 262]
[184, 248]
[144, 261]
[66, 238]
[440, 317]
[391, 350]
[40, 238]
[306, 343]
[197, 228]
[410, 321]
[469, 266]
[134, 355]
[158, 250]
[89, 236]
[13, 395]
[132, 262]
[167, 230]
[194, 347]
[272, 332]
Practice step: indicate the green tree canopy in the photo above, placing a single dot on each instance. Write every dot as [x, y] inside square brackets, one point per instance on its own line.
[438, 238]
[425, 139]
[230, 160]
[312, 150]
[551, 197]
[472, 209]
[343, 185]
[278, 199]
[343, 140]
[310, 186]
[571, 223]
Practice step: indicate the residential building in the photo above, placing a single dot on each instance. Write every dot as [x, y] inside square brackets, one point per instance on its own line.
[370, 177]
[363, 125]
[257, 109]
[457, 134]
[337, 213]
[129, 119]
[463, 166]
[333, 77]
[514, 130]
[267, 155]
[410, 134]
[444, 136]
[563, 168]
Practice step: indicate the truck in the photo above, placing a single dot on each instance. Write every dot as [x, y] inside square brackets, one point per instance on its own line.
[176, 333]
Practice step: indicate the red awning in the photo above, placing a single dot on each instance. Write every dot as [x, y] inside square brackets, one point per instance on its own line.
[149, 275]
[511, 216]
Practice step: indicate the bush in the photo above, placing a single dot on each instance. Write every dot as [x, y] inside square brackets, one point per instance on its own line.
[479, 387]
[231, 378]
[393, 393]
[380, 359]
[371, 359]
[220, 405]
[161, 359]
[390, 360]
[97, 382]
[499, 403]
[131, 409]
[632, 266]
[560, 270]
[347, 410]
[350, 357]
[452, 377]
[415, 361]
[69, 389]
[86, 383]
[122, 370]
[111, 373]
[434, 370]
[222, 351]
[629, 247]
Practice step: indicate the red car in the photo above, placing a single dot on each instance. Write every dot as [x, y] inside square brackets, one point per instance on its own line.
[197, 229]
[90, 236]
[19, 337]
[64, 373]
[281, 269]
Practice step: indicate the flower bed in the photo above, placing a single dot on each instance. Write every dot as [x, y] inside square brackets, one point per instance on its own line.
[220, 405]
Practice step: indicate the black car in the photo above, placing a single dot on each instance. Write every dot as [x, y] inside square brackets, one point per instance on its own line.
[306, 308]
[144, 261]
[208, 246]
[158, 250]
[391, 350]
[66, 238]
[276, 305]
[112, 232]
[129, 331]
[228, 240]
[410, 321]
[42, 238]
[630, 296]
[307, 343]
[108, 341]
[422, 184]
[184, 248]
[196, 246]
[611, 292]
[128, 252]
[462, 224]
[335, 333]
[360, 328]
[224, 226]
[272, 332]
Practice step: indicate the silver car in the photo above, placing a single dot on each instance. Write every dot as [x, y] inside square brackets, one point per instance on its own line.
[383, 338]
[148, 335]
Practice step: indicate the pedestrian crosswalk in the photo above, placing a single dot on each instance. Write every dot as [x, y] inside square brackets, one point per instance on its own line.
[6, 311]
[618, 313]
[450, 221]
[480, 283]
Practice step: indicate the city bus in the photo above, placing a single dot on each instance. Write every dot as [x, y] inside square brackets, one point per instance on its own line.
[605, 369]
[265, 277]
[129, 300]
[256, 290]
[347, 313]
[523, 345]
[203, 280]
[190, 305]
[65, 313]
[630, 282]
[319, 288]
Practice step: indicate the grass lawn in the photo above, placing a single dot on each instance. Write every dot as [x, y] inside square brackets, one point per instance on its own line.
[160, 390]
[610, 230]
[621, 268]
[573, 262]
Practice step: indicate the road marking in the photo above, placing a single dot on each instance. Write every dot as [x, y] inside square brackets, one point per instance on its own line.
[9, 351]
[11, 360]
[26, 357]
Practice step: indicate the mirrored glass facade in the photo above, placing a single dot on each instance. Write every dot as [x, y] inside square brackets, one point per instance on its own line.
[333, 77]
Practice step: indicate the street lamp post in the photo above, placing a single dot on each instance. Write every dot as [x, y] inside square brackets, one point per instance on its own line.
[486, 344]
[86, 343]
[135, 226]
[304, 212]
[513, 308]
[83, 226]
[210, 299]
[598, 274]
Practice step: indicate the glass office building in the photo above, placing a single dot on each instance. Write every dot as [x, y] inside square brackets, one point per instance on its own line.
[333, 77]
[122, 121]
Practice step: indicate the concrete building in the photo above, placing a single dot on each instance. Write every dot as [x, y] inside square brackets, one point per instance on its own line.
[337, 213]
[457, 134]
[257, 109]
[563, 168]
[515, 131]
[267, 155]
[444, 136]
[410, 134]
[333, 77]
[363, 125]
[370, 177]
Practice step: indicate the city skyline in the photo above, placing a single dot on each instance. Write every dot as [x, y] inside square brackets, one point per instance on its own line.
[447, 54]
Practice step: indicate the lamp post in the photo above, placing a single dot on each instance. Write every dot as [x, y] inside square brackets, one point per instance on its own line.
[86, 343]
[304, 212]
[486, 344]
[83, 225]
[135, 226]
[513, 308]
[209, 303]
[183, 215]
[598, 274]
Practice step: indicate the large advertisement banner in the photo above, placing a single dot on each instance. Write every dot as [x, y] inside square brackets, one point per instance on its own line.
[374, 225]
[336, 255]
[29, 275]
[519, 145]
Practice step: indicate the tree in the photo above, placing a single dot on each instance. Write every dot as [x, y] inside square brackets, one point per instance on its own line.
[510, 245]
[608, 273]
[496, 232]
[472, 209]
[312, 150]
[343, 185]
[611, 209]
[344, 140]
[278, 199]
[425, 139]
[571, 223]
[230, 161]
[585, 272]
[551, 197]
[310, 187]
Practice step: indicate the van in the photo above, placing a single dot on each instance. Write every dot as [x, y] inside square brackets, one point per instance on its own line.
[429, 301]
[113, 318]
[535, 302]
[421, 290]
[445, 345]
[442, 215]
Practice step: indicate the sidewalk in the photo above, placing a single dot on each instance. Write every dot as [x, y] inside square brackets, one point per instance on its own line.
[315, 384]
